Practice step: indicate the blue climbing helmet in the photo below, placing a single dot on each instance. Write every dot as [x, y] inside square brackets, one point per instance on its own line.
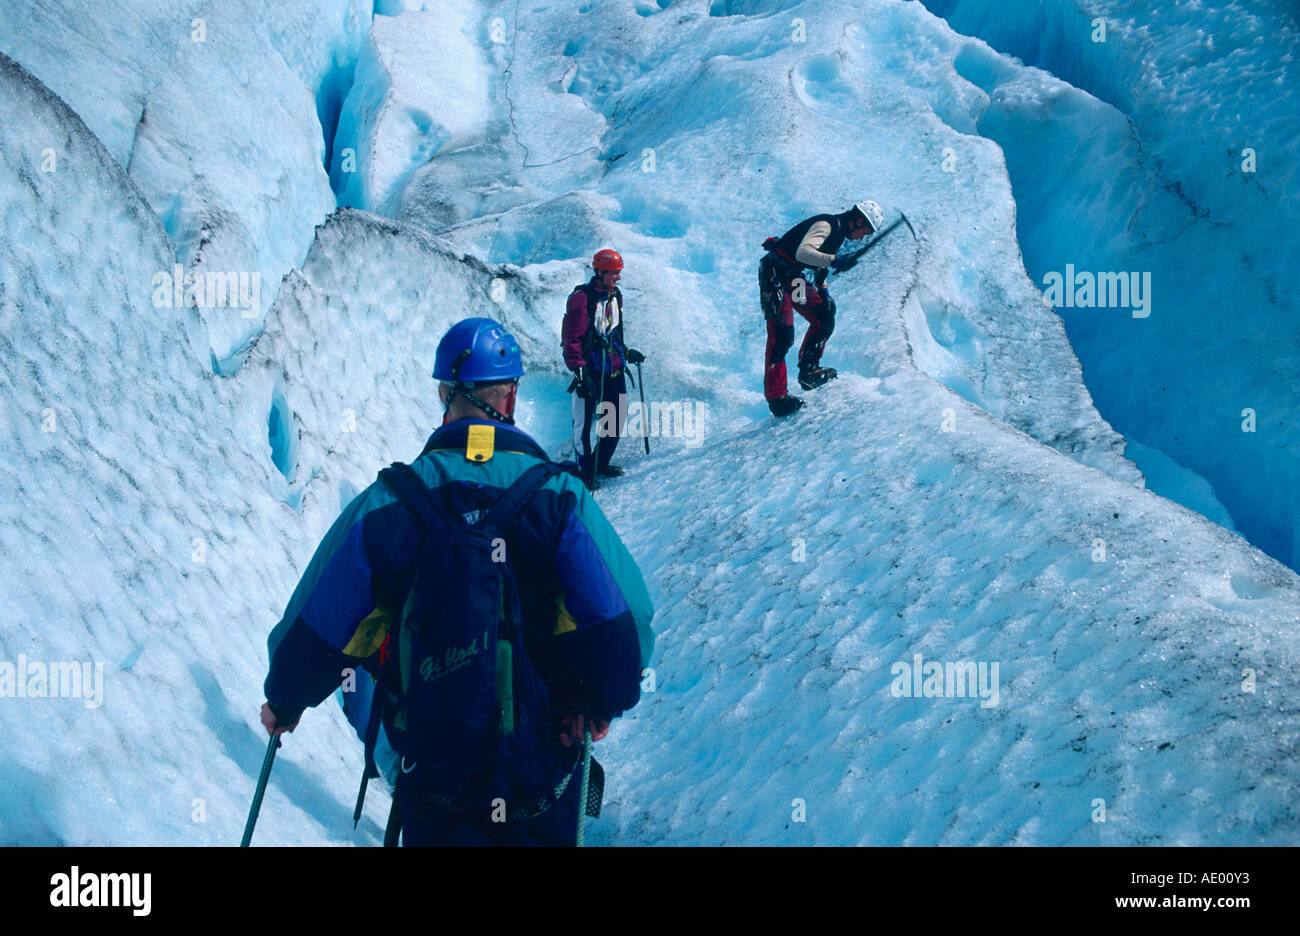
[477, 350]
[474, 352]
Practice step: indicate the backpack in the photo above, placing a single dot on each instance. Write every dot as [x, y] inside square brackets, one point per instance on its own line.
[462, 700]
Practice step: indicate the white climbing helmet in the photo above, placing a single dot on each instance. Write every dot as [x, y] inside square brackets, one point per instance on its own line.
[871, 211]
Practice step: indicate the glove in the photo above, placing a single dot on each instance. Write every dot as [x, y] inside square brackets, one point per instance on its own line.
[573, 728]
[634, 356]
[582, 384]
[819, 277]
[278, 720]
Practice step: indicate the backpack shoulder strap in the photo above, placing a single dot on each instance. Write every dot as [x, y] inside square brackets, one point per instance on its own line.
[773, 245]
[402, 480]
[587, 336]
[518, 494]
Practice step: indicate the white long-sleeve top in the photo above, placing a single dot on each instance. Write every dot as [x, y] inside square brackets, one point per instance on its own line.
[808, 252]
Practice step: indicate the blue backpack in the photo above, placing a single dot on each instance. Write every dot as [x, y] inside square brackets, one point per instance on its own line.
[462, 700]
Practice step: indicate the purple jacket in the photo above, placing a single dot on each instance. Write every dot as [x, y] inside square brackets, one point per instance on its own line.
[593, 320]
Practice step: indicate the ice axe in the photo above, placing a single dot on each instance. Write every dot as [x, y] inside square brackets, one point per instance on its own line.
[849, 261]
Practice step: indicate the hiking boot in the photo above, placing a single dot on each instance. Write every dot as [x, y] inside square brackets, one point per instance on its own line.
[784, 406]
[610, 471]
[815, 377]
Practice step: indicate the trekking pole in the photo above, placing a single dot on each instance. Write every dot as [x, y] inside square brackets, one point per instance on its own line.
[645, 417]
[361, 798]
[267, 761]
[595, 449]
[586, 782]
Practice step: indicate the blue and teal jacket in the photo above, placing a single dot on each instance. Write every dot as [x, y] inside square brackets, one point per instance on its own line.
[586, 609]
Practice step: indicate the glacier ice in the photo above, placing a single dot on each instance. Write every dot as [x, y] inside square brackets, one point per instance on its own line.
[955, 495]
[1171, 151]
[213, 113]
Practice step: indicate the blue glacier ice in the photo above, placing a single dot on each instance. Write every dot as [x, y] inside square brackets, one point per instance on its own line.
[1119, 567]
[1171, 149]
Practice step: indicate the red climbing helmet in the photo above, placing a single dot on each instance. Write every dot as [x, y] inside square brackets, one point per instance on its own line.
[607, 260]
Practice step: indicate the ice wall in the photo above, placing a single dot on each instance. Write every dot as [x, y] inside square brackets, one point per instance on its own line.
[214, 112]
[1177, 159]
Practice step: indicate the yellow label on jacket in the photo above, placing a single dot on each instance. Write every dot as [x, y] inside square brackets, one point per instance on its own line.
[480, 443]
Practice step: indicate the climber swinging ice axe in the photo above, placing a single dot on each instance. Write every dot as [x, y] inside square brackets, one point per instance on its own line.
[783, 290]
